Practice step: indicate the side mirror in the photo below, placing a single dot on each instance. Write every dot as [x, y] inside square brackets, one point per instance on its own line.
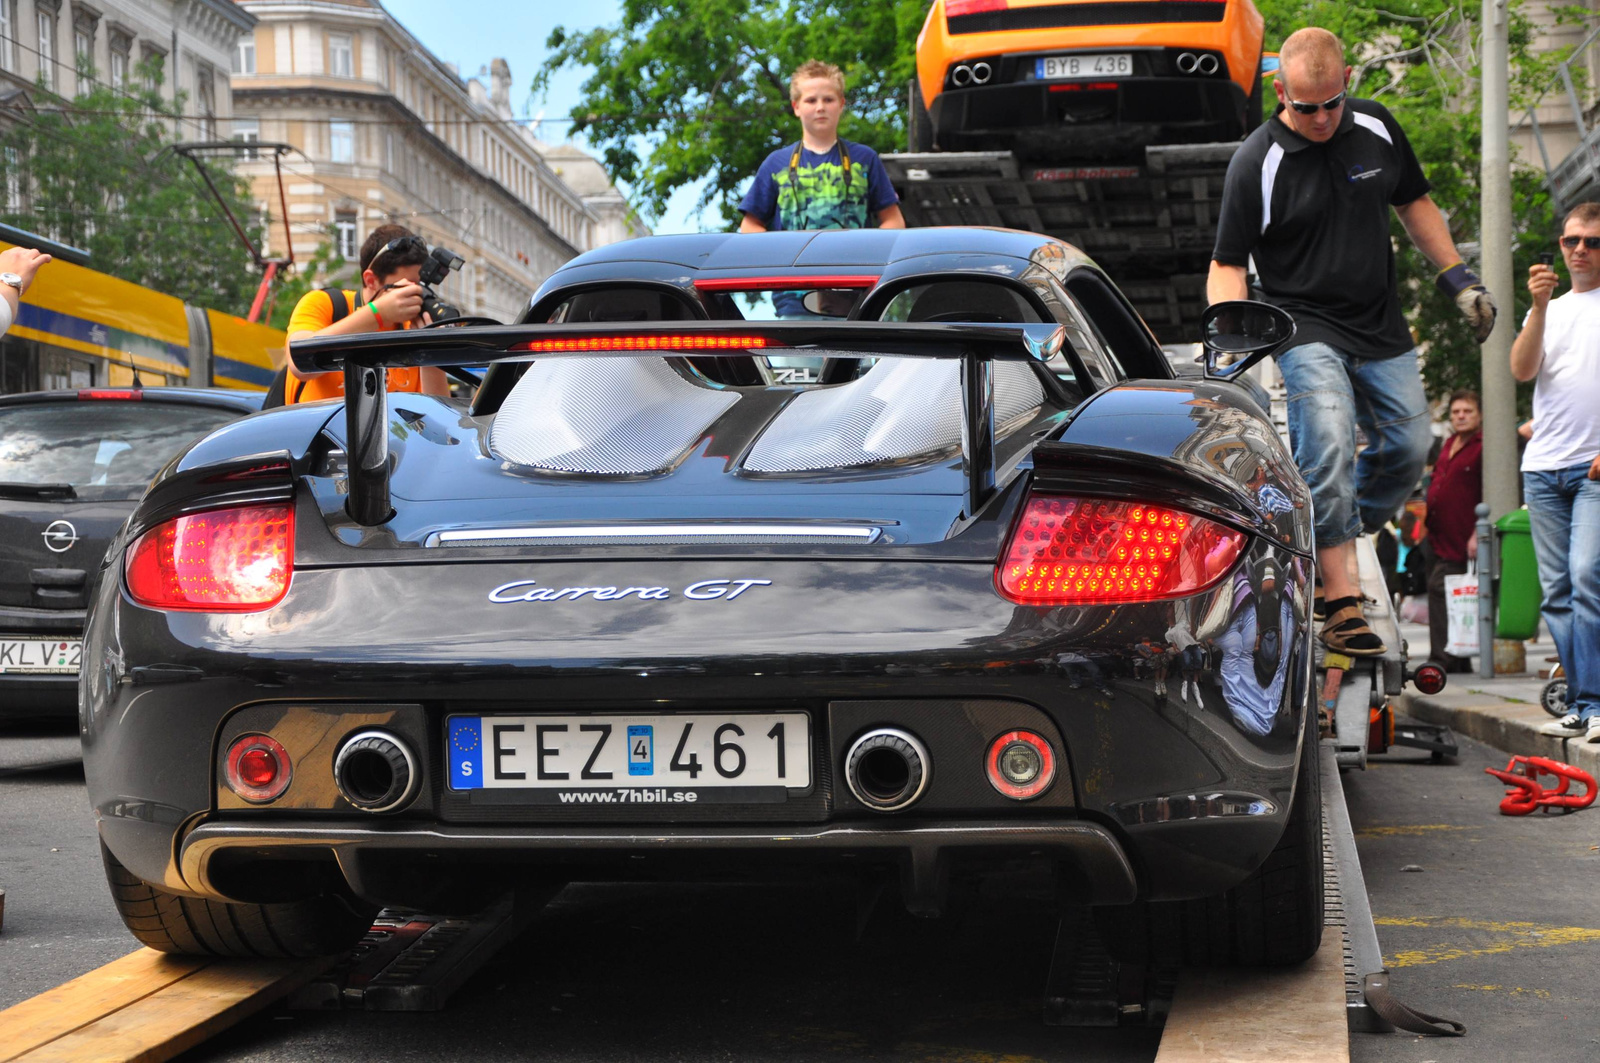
[1239, 333]
[830, 302]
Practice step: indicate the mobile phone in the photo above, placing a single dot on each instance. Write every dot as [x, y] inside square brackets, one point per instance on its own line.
[1547, 257]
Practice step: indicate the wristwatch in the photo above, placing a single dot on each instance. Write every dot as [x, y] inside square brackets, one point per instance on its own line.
[12, 279]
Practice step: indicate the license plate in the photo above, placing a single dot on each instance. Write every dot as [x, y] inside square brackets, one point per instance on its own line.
[1102, 65]
[584, 760]
[40, 656]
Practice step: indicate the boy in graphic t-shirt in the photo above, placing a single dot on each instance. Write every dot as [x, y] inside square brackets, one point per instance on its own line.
[821, 182]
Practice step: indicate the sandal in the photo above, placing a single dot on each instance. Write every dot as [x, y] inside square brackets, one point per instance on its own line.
[1346, 630]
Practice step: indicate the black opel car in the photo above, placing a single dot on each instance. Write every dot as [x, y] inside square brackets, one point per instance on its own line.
[949, 576]
[72, 467]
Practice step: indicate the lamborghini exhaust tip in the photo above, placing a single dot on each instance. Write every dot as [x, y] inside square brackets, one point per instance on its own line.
[887, 769]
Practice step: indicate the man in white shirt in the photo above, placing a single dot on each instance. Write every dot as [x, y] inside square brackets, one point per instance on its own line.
[1559, 348]
[17, 267]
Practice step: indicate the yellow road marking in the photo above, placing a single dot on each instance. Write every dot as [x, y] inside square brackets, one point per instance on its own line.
[1542, 994]
[1406, 830]
[147, 1006]
[1512, 936]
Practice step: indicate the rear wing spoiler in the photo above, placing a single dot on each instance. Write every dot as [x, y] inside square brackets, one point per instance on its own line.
[363, 358]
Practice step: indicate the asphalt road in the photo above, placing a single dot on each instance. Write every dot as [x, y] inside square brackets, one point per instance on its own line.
[1497, 929]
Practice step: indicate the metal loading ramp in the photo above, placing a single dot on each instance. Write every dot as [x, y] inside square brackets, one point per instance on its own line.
[1151, 224]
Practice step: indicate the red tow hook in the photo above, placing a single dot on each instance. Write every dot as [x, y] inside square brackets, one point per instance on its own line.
[1522, 775]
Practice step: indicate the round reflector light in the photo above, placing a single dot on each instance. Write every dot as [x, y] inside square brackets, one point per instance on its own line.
[1021, 765]
[1430, 678]
[257, 768]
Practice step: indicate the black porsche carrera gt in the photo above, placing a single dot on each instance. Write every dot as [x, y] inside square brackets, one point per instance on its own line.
[945, 577]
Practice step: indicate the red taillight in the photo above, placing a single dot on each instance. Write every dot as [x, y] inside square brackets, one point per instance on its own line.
[1020, 765]
[643, 343]
[122, 394]
[257, 768]
[957, 8]
[1086, 551]
[221, 561]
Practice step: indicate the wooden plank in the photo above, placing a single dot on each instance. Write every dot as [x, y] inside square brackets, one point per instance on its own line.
[147, 1007]
[59, 1011]
[1294, 1015]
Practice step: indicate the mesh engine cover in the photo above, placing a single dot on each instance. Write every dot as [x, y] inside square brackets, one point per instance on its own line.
[608, 416]
[899, 409]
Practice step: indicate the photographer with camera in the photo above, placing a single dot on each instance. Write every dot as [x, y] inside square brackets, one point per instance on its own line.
[394, 295]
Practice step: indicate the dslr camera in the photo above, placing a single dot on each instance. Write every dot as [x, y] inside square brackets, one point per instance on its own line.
[440, 263]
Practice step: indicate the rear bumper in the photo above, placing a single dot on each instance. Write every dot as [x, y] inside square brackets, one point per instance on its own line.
[33, 696]
[1132, 111]
[1089, 855]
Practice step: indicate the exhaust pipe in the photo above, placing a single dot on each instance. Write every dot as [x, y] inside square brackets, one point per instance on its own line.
[961, 76]
[1186, 62]
[887, 769]
[981, 73]
[376, 772]
[1206, 64]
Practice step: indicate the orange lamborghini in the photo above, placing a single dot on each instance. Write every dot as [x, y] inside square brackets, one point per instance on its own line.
[1048, 78]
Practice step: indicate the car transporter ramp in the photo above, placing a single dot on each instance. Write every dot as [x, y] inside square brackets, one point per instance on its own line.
[1150, 224]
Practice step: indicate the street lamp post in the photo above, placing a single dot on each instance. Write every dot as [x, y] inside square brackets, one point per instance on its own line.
[1498, 388]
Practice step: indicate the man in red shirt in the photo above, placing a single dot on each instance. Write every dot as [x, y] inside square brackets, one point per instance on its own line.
[1453, 497]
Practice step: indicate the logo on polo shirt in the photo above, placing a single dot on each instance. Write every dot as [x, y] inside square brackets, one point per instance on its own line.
[1361, 173]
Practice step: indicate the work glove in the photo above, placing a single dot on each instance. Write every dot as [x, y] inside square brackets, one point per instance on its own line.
[1471, 297]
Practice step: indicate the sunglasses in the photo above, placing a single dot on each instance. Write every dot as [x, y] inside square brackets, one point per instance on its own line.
[1571, 242]
[1313, 108]
[397, 244]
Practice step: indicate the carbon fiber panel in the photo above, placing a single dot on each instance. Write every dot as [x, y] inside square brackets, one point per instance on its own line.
[901, 408]
[605, 416]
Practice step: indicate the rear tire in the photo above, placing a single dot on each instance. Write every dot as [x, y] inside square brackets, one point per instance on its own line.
[319, 926]
[1273, 918]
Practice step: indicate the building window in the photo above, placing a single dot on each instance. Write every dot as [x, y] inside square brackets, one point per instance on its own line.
[83, 56]
[14, 186]
[247, 131]
[120, 45]
[47, 49]
[205, 98]
[154, 63]
[388, 150]
[244, 56]
[8, 35]
[341, 142]
[341, 55]
[344, 234]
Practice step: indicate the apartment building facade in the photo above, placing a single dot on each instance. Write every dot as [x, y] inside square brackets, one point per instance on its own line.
[70, 47]
[383, 130]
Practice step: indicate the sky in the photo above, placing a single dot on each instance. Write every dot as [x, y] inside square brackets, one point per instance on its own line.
[470, 33]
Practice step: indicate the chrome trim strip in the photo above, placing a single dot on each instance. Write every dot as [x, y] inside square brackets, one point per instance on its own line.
[851, 532]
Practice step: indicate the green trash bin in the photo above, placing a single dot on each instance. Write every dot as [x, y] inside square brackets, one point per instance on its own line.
[1520, 598]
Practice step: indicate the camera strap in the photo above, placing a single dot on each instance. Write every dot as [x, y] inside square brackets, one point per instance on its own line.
[794, 171]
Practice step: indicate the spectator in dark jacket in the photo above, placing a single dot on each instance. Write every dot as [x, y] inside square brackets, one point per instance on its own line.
[1453, 497]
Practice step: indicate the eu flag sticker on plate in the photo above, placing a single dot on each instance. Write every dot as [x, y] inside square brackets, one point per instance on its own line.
[641, 750]
[466, 753]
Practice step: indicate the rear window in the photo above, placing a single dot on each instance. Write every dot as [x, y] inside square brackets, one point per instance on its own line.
[102, 449]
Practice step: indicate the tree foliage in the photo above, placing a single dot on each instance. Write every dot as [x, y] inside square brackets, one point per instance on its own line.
[688, 89]
[91, 172]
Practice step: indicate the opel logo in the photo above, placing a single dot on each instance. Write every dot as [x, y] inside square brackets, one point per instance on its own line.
[60, 536]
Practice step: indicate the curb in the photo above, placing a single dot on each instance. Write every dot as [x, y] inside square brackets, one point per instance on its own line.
[1510, 727]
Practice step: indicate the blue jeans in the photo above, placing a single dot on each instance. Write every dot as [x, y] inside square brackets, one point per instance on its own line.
[1330, 394]
[1564, 507]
